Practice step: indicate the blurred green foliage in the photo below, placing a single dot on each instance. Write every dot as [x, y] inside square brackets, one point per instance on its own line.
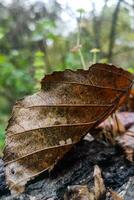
[35, 40]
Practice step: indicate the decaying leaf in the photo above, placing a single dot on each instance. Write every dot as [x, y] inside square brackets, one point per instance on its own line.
[114, 129]
[114, 126]
[118, 127]
[126, 141]
[78, 192]
[82, 192]
[131, 101]
[99, 187]
[115, 195]
[45, 125]
[98, 192]
[126, 118]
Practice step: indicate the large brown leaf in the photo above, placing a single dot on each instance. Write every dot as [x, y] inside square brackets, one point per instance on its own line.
[45, 125]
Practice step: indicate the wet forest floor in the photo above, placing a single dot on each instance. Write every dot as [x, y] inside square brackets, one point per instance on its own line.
[77, 167]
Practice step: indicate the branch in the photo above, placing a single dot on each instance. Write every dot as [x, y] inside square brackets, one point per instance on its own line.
[128, 4]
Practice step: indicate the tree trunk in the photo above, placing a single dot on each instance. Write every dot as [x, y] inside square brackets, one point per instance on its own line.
[112, 35]
[97, 25]
[43, 47]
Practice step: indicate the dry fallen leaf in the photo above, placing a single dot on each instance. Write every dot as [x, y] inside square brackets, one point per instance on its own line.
[115, 195]
[45, 125]
[126, 141]
[118, 127]
[78, 192]
[126, 118]
[109, 129]
[99, 187]
[76, 48]
[82, 192]
[99, 191]
[131, 101]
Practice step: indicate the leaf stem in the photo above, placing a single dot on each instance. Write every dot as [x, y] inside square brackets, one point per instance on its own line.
[78, 43]
[94, 58]
[82, 59]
